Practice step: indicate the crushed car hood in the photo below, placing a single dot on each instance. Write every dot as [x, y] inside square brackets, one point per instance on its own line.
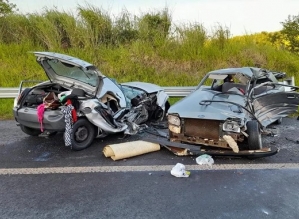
[70, 71]
[190, 107]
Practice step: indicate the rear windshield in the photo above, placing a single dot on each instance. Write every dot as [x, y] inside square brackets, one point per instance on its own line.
[88, 76]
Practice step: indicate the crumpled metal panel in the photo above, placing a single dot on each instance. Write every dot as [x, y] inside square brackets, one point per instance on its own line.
[270, 107]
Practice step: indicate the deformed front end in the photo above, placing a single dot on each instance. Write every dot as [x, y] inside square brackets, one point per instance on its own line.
[204, 131]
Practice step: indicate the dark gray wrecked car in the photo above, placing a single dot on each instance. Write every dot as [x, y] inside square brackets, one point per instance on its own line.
[230, 108]
[85, 104]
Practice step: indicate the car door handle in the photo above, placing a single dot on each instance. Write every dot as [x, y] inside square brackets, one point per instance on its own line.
[291, 96]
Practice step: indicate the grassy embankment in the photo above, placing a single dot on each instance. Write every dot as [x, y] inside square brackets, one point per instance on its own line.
[148, 48]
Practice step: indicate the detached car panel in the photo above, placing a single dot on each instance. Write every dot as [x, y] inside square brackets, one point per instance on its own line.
[234, 109]
[79, 100]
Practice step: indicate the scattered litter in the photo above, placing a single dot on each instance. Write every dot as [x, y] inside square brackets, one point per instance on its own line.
[129, 149]
[205, 159]
[232, 143]
[179, 170]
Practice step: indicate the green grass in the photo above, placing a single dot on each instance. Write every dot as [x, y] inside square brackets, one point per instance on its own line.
[6, 109]
[148, 48]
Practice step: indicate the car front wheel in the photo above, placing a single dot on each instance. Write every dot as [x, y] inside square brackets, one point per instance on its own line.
[255, 136]
[82, 135]
[30, 131]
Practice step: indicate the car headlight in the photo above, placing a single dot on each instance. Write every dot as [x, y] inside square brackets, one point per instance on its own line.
[174, 120]
[231, 126]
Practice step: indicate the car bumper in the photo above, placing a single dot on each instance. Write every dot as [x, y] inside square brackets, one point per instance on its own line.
[202, 132]
[53, 120]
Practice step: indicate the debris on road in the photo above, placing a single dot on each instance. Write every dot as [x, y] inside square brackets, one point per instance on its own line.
[179, 170]
[205, 159]
[181, 149]
[129, 149]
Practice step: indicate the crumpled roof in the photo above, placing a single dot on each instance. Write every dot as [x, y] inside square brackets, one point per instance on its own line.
[250, 72]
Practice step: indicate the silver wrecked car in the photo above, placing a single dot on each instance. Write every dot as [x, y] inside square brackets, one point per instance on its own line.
[232, 106]
[83, 103]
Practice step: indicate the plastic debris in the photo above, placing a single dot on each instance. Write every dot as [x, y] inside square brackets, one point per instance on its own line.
[179, 170]
[205, 159]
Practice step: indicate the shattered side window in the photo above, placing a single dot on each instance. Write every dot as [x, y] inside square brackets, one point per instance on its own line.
[131, 93]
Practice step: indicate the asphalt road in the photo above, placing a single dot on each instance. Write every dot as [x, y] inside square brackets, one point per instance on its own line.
[41, 178]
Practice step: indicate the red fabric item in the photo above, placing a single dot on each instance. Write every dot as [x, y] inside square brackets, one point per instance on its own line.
[40, 115]
[74, 113]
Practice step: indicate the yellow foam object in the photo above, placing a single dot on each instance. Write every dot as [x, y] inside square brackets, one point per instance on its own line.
[129, 149]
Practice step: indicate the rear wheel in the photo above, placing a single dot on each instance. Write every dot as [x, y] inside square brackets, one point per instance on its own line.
[30, 131]
[255, 136]
[82, 135]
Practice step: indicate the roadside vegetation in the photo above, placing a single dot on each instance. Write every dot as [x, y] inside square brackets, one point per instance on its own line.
[147, 48]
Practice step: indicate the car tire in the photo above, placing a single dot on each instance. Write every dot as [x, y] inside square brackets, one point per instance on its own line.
[30, 131]
[82, 135]
[255, 136]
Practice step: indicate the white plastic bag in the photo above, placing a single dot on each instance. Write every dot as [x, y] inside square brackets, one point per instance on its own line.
[179, 170]
[205, 159]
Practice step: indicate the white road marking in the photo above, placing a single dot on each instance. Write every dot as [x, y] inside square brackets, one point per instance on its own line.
[107, 169]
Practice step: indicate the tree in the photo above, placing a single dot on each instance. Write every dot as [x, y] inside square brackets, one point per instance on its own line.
[6, 7]
[291, 32]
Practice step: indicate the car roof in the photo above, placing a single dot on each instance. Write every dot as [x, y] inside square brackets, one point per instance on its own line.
[65, 58]
[248, 71]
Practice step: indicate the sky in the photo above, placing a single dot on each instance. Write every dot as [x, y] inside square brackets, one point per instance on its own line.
[239, 16]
